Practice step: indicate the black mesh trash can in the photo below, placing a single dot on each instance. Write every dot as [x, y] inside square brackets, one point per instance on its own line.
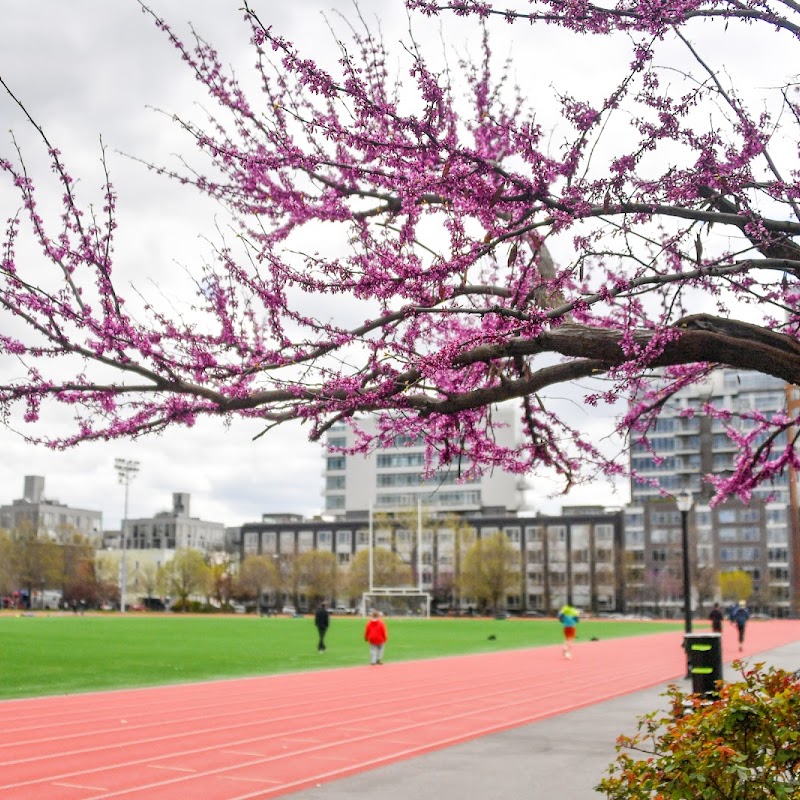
[704, 654]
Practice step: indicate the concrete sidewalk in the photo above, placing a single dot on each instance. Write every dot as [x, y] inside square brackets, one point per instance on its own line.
[561, 757]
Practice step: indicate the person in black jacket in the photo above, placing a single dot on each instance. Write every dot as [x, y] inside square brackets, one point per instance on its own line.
[716, 618]
[322, 620]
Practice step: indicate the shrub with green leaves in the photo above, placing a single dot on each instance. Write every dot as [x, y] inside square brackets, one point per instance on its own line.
[743, 746]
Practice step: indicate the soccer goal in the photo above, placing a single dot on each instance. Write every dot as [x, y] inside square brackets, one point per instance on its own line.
[397, 602]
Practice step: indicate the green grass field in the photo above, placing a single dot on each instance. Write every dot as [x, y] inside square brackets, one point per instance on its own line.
[43, 655]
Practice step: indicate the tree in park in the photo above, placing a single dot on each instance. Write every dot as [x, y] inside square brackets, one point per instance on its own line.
[491, 569]
[186, 574]
[36, 560]
[8, 582]
[81, 588]
[471, 242]
[106, 570]
[147, 574]
[705, 580]
[735, 585]
[317, 574]
[78, 577]
[453, 528]
[220, 569]
[258, 575]
[389, 571]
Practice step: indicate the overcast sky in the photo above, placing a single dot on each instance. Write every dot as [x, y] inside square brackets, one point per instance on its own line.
[92, 68]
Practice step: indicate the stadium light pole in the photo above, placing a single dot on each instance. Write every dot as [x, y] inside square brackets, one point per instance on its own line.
[126, 472]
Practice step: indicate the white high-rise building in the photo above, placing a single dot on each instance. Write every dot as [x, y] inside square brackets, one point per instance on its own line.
[390, 478]
[689, 447]
[759, 538]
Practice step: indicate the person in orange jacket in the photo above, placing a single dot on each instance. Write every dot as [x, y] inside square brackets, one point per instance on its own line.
[375, 634]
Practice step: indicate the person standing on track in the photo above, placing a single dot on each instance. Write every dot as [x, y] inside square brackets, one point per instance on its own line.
[716, 618]
[569, 617]
[739, 617]
[322, 620]
[376, 636]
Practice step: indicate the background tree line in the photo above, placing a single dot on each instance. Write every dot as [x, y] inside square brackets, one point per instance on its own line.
[32, 563]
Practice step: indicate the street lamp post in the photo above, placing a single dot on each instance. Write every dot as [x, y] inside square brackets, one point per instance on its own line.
[126, 471]
[684, 501]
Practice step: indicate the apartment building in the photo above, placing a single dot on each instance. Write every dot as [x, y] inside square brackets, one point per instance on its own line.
[50, 517]
[170, 530]
[759, 538]
[390, 478]
[576, 556]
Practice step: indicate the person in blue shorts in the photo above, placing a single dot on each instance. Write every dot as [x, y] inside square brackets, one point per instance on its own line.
[569, 617]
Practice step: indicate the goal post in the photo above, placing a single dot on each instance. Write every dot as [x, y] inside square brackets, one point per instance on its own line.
[397, 602]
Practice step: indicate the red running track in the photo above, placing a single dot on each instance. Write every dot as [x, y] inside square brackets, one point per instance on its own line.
[264, 737]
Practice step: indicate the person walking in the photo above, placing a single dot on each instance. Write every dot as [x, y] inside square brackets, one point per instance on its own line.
[716, 618]
[739, 618]
[569, 617]
[322, 620]
[376, 636]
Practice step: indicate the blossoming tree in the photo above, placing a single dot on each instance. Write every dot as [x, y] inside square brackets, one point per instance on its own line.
[417, 243]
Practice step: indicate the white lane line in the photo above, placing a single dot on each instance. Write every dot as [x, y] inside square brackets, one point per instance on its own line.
[81, 786]
[173, 769]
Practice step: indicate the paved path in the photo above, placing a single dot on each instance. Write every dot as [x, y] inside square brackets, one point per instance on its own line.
[559, 758]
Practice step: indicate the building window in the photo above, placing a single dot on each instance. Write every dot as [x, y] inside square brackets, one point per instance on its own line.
[634, 538]
[305, 541]
[393, 460]
[533, 535]
[557, 533]
[750, 534]
[777, 535]
[665, 518]
[344, 540]
[324, 540]
[776, 515]
[250, 544]
[513, 534]
[603, 533]
[634, 520]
